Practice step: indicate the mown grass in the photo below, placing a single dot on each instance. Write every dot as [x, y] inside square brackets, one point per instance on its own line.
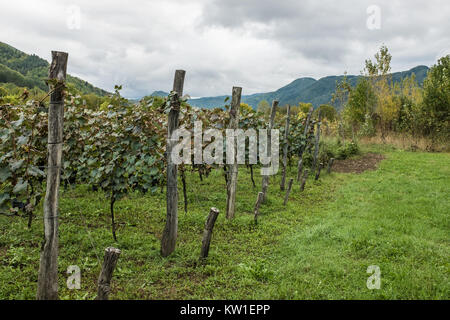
[317, 247]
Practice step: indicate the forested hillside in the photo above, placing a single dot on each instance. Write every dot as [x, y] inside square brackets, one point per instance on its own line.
[308, 90]
[30, 71]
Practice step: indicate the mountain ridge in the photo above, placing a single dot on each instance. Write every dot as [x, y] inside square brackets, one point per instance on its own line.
[304, 89]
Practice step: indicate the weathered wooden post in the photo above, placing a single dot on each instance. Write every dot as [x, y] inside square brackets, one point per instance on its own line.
[48, 266]
[300, 168]
[183, 181]
[302, 149]
[104, 279]
[265, 178]
[251, 175]
[316, 143]
[330, 164]
[233, 167]
[259, 200]
[169, 236]
[285, 148]
[288, 191]
[318, 171]
[305, 176]
[207, 233]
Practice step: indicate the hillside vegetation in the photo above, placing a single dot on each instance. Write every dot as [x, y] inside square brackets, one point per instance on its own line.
[316, 92]
[30, 71]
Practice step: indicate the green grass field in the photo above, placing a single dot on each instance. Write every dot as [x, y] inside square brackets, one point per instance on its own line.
[317, 247]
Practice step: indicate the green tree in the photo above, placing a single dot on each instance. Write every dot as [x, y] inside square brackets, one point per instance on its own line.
[436, 99]
[328, 112]
[263, 107]
[304, 107]
[360, 103]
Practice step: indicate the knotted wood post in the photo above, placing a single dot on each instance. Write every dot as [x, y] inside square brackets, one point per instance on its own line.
[169, 236]
[318, 171]
[330, 164]
[104, 279]
[285, 148]
[305, 176]
[183, 181]
[48, 266]
[251, 175]
[233, 167]
[288, 191]
[299, 169]
[259, 200]
[265, 178]
[207, 233]
[302, 149]
[316, 143]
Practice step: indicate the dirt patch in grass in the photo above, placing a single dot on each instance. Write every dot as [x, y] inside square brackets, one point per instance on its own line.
[369, 161]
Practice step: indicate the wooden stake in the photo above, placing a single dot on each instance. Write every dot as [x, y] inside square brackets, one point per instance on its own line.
[251, 176]
[48, 266]
[302, 149]
[233, 168]
[104, 280]
[259, 200]
[330, 164]
[169, 236]
[299, 169]
[288, 191]
[265, 178]
[285, 148]
[318, 172]
[316, 147]
[183, 181]
[305, 176]
[207, 233]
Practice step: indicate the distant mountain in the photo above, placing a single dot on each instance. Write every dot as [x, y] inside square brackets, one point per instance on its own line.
[30, 71]
[310, 90]
[159, 94]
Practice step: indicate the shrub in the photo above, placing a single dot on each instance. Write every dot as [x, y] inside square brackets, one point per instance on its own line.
[347, 150]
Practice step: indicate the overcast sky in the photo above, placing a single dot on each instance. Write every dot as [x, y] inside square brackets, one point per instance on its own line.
[260, 45]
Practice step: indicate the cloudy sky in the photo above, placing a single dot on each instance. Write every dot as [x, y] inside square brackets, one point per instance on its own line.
[260, 45]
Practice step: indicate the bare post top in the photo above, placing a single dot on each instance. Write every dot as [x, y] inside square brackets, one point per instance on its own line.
[58, 68]
[235, 102]
[178, 82]
[237, 91]
[274, 111]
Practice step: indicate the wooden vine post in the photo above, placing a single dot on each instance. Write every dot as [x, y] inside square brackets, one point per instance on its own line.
[48, 267]
[104, 279]
[265, 178]
[169, 236]
[305, 176]
[207, 233]
[330, 164]
[316, 143]
[233, 167]
[183, 181]
[288, 191]
[259, 200]
[318, 171]
[302, 149]
[285, 148]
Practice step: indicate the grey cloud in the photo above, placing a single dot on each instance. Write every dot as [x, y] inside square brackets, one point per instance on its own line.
[257, 44]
